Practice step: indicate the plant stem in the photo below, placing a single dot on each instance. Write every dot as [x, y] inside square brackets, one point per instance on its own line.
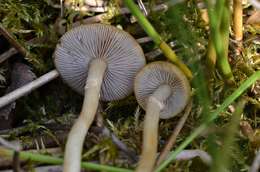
[211, 56]
[238, 19]
[52, 160]
[212, 116]
[150, 133]
[222, 61]
[170, 54]
[79, 130]
[219, 23]
[149, 29]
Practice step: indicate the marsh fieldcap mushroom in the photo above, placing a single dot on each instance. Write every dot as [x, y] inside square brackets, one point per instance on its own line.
[96, 60]
[163, 91]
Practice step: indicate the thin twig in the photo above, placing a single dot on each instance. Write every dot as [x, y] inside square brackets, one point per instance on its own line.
[106, 132]
[142, 6]
[190, 154]
[14, 95]
[7, 54]
[100, 17]
[13, 51]
[256, 163]
[13, 41]
[238, 19]
[174, 135]
[15, 146]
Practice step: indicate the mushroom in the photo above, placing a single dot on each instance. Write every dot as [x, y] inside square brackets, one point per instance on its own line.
[163, 91]
[96, 60]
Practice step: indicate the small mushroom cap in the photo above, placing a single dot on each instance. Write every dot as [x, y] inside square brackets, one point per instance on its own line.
[123, 55]
[160, 73]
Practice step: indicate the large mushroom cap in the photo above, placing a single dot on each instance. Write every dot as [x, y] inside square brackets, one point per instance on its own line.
[160, 73]
[123, 55]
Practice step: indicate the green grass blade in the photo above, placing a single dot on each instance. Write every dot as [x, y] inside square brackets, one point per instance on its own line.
[245, 85]
[52, 160]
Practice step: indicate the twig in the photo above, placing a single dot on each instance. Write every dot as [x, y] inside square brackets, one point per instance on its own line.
[13, 51]
[141, 5]
[7, 54]
[256, 163]
[100, 17]
[190, 154]
[106, 132]
[15, 146]
[238, 19]
[12, 96]
[144, 40]
[13, 41]
[174, 135]
[156, 52]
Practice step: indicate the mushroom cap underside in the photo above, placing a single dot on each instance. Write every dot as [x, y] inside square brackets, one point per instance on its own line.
[160, 73]
[121, 52]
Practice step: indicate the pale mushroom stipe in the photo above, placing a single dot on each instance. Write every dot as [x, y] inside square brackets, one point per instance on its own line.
[96, 60]
[163, 91]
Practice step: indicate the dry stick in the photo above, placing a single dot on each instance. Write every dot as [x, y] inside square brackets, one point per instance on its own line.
[256, 163]
[100, 17]
[174, 135]
[12, 41]
[238, 19]
[192, 153]
[12, 96]
[13, 51]
[7, 54]
[106, 132]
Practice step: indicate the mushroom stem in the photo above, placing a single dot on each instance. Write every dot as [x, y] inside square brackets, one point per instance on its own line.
[150, 133]
[79, 130]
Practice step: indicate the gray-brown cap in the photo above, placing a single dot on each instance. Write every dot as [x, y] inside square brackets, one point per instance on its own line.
[123, 55]
[160, 73]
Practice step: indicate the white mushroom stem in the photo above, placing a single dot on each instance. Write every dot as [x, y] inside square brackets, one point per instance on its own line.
[79, 130]
[150, 134]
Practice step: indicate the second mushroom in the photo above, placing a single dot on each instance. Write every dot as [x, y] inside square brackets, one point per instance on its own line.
[163, 91]
[97, 61]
